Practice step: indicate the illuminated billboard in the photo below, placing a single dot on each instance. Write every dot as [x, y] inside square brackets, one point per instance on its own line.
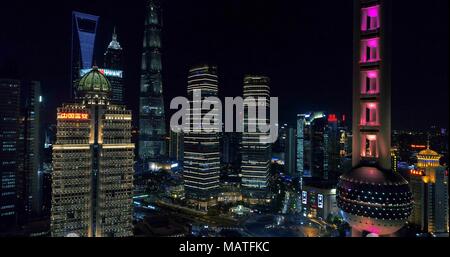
[106, 72]
[72, 116]
[320, 201]
[304, 197]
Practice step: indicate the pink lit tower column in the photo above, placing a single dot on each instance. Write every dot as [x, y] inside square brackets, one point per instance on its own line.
[373, 199]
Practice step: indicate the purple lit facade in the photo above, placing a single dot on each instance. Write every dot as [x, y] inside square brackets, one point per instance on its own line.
[373, 198]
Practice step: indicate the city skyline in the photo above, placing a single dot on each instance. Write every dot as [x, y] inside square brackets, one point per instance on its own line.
[239, 46]
[346, 137]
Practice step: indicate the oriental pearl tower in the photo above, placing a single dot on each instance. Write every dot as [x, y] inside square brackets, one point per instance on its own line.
[373, 199]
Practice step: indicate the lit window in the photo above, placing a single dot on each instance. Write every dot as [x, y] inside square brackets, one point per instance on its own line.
[370, 18]
[370, 82]
[369, 147]
[370, 50]
[369, 114]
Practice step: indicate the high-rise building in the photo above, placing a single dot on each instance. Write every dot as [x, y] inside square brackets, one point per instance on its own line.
[201, 148]
[10, 163]
[312, 145]
[92, 180]
[289, 152]
[84, 31]
[429, 186]
[113, 64]
[300, 153]
[176, 146]
[31, 150]
[279, 146]
[152, 127]
[336, 132]
[229, 145]
[319, 155]
[320, 145]
[372, 197]
[21, 143]
[319, 201]
[256, 154]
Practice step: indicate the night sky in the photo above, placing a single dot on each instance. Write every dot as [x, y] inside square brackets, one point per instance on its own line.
[305, 47]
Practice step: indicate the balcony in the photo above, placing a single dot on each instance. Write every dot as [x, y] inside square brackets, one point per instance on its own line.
[372, 63]
[370, 33]
[369, 126]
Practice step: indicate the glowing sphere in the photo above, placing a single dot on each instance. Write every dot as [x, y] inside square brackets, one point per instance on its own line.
[374, 200]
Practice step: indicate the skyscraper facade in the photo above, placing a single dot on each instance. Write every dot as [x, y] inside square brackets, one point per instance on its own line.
[152, 128]
[319, 154]
[372, 197]
[176, 146]
[21, 144]
[290, 157]
[300, 153]
[336, 140]
[84, 31]
[201, 148]
[311, 133]
[31, 140]
[10, 163]
[113, 64]
[256, 154]
[429, 186]
[230, 152]
[92, 180]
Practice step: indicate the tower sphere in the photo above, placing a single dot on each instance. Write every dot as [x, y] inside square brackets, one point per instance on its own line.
[374, 200]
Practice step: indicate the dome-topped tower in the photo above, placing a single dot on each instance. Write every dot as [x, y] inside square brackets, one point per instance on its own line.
[94, 81]
[428, 158]
[94, 87]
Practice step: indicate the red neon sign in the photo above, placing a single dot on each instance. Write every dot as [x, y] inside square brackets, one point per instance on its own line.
[332, 118]
[72, 116]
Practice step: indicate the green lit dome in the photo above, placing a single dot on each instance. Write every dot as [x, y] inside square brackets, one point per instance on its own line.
[94, 81]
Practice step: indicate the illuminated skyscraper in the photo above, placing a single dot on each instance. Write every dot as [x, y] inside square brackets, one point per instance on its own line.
[201, 148]
[289, 152]
[20, 151]
[229, 145]
[10, 163]
[429, 186]
[176, 146]
[84, 31]
[300, 163]
[372, 197]
[310, 144]
[31, 148]
[152, 128]
[92, 180]
[201, 158]
[114, 64]
[256, 155]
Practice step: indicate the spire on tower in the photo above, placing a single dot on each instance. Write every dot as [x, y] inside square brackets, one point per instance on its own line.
[114, 44]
